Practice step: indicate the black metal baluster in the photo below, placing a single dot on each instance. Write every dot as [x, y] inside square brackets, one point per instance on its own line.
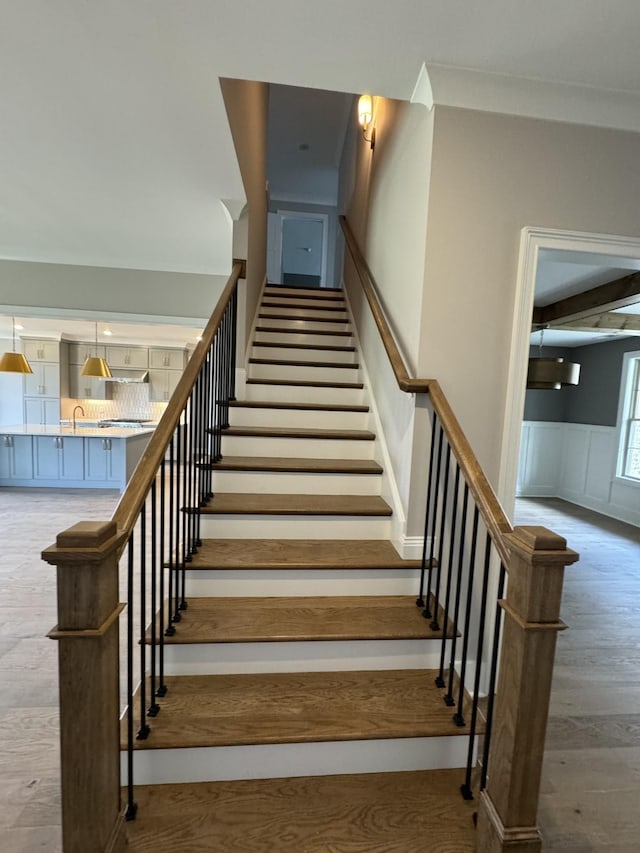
[216, 385]
[177, 520]
[467, 792]
[435, 625]
[188, 501]
[153, 708]
[420, 601]
[448, 699]
[132, 808]
[234, 339]
[162, 687]
[492, 678]
[427, 605]
[171, 609]
[458, 717]
[143, 731]
[440, 682]
[182, 511]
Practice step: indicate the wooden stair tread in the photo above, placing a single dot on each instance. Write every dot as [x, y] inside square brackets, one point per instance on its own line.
[300, 432]
[313, 618]
[357, 386]
[298, 291]
[309, 466]
[287, 362]
[298, 554]
[318, 347]
[311, 407]
[279, 316]
[299, 707]
[237, 503]
[301, 305]
[412, 812]
[283, 330]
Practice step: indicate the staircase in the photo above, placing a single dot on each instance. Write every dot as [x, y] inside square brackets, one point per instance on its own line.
[301, 713]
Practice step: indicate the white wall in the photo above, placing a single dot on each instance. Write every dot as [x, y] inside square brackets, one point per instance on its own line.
[10, 391]
[491, 176]
[576, 462]
[385, 194]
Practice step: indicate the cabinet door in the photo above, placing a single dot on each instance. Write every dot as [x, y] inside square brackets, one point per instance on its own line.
[41, 411]
[80, 352]
[104, 459]
[71, 458]
[50, 412]
[16, 460]
[170, 359]
[86, 387]
[128, 356]
[41, 350]
[46, 457]
[44, 381]
[162, 384]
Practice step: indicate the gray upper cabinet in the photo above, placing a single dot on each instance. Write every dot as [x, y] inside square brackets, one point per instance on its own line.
[121, 356]
[170, 359]
[41, 350]
[80, 352]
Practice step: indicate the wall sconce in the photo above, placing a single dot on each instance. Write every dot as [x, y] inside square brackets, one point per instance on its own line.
[365, 115]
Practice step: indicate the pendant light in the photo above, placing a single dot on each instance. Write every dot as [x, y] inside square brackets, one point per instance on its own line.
[96, 366]
[14, 362]
[551, 374]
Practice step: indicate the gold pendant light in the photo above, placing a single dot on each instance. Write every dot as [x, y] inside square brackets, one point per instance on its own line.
[96, 366]
[14, 362]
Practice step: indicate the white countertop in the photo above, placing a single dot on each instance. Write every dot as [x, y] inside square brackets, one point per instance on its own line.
[80, 431]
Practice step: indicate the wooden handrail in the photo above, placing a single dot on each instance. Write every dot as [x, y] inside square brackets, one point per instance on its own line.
[405, 382]
[132, 500]
[493, 515]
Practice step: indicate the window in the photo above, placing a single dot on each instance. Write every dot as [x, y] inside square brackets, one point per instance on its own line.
[629, 420]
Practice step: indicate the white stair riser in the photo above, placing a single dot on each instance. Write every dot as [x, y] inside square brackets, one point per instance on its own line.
[304, 373]
[321, 293]
[265, 761]
[298, 418]
[318, 656]
[303, 394]
[298, 326]
[308, 303]
[280, 582]
[300, 354]
[275, 482]
[294, 527]
[303, 338]
[311, 313]
[306, 448]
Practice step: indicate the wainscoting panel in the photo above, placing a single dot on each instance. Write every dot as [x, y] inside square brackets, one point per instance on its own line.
[576, 462]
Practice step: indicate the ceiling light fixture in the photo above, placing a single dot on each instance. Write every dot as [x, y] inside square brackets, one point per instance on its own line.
[365, 117]
[95, 365]
[550, 374]
[14, 362]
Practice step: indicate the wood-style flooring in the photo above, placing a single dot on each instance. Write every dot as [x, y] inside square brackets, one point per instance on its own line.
[591, 776]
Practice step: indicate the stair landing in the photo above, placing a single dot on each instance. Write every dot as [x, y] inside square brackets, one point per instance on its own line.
[414, 812]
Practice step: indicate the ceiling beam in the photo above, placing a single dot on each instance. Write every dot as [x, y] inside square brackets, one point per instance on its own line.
[615, 294]
[628, 324]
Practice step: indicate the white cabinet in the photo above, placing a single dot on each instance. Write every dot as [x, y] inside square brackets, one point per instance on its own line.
[170, 359]
[44, 381]
[16, 461]
[42, 410]
[104, 459]
[134, 357]
[41, 350]
[87, 387]
[58, 457]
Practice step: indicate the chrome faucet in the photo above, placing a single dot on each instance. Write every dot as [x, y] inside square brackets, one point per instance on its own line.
[75, 409]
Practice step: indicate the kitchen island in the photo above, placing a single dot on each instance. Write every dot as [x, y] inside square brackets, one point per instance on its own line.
[80, 457]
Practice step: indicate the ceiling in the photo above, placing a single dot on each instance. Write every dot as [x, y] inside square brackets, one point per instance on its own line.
[115, 148]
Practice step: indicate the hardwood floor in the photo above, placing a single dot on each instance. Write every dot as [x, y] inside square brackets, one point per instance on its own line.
[591, 781]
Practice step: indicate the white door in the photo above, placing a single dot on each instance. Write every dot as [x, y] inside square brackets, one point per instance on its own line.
[302, 249]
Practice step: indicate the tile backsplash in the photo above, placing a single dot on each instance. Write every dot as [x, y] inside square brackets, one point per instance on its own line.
[130, 400]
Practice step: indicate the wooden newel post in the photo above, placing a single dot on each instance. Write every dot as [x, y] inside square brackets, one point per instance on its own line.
[507, 818]
[88, 659]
